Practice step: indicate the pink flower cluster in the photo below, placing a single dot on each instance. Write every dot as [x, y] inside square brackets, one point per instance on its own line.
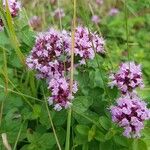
[14, 7]
[113, 11]
[35, 22]
[87, 44]
[61, 95]
[130, 113]
[128, 77]
[50, 57]
[1, 24]
[46, 55]
[95, 19]
[58, 13]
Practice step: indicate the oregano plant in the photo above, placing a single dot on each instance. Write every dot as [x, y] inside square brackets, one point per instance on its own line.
[74, 75]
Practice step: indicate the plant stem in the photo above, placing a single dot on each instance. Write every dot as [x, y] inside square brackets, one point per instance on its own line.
[51, 122]
[1, 112]
[5, 70]
[127, 31]
[19, 93]
[60, 21]
[126, 28]
[67, 145]
[18, 135]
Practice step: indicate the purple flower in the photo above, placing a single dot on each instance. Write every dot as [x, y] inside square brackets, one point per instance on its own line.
[58, 13]
[87, 43]
[35, 22]
[99, 2]
[130, 113]
[127, 78]
[50, 58]
[14, 7]
[1, 24]
[113, 12]
[95, 19]
[46, 55]
[61, 96]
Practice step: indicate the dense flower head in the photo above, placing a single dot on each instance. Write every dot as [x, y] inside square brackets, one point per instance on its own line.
[51, 59]
[113, 11]
[128, 77]
[87, 43]
[14, 7]
[46, 55]
[95, 19]
[1, 24]
[35, 22]
[61, 96]
[58, 13]
[130, 113]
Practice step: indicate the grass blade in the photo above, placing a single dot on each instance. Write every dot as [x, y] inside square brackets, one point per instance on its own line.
[12, 34]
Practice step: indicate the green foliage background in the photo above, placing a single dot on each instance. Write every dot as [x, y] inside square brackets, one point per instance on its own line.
[23, 109]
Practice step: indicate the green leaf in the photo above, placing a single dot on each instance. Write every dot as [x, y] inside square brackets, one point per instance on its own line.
[98, 78]
[44, 118]
[105, 122]
[2, 95]
[12, 115]
[96, 93]
[59, 118]
[47, 140]
[106, 146]
[15, 101]
[87, 118]
[80, 139]
[82, 129]
[31, 136]
[4, 40]
[91, 133]
[41, 141]
[109, 135]
[139, 144]
[81, 104]
[121, 140]
[99, 136]
[26, 35]
[61, 133]
[36, 111]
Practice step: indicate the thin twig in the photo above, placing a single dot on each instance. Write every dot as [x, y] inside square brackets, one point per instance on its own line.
[21, 94]
[51, 122]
